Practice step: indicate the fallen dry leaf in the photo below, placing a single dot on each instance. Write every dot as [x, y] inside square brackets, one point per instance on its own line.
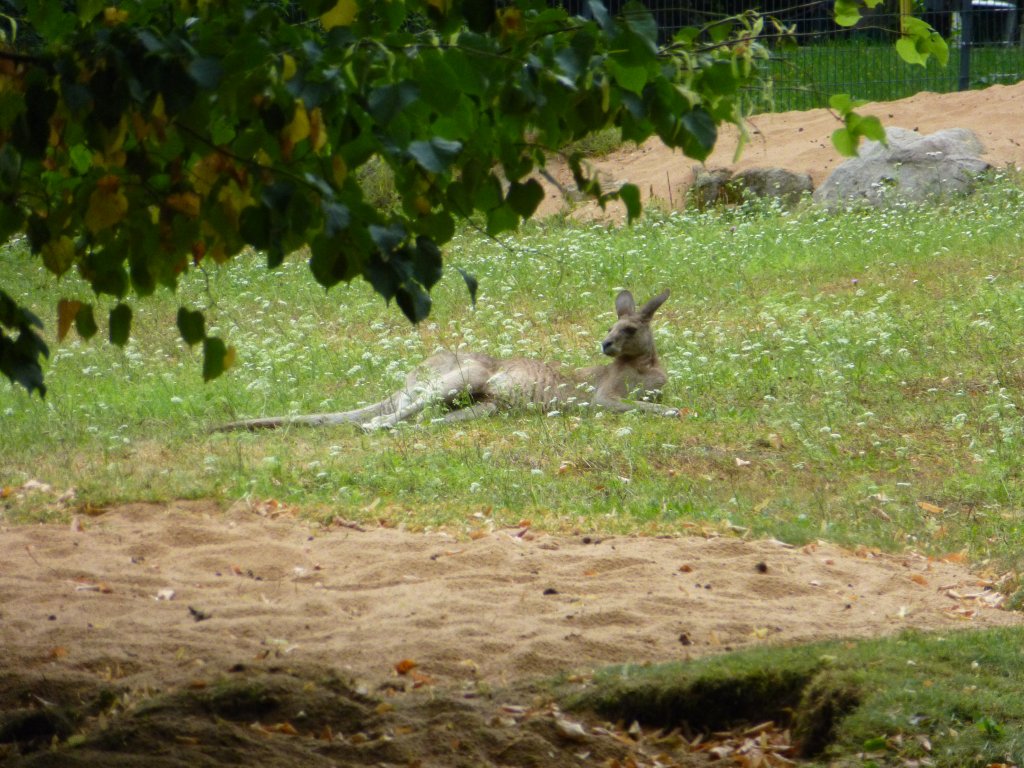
[405, 666]
[419, 679]
[570, 729]
[286, 728]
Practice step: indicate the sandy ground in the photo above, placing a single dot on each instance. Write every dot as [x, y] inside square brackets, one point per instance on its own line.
[152, 594]
[801, 141]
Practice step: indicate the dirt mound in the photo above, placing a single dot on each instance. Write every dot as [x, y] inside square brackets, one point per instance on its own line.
[801, 142]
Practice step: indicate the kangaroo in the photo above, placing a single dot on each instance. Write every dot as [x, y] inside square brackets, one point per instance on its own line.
[472, 385]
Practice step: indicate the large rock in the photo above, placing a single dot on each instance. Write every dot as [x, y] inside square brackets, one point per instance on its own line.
[911, 168]
[787, 186]
[718, 186]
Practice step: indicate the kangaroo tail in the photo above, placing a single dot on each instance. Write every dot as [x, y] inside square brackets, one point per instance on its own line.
[275, 422]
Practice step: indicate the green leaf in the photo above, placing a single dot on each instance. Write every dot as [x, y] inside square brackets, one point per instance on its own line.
[85, 322]
[388, 101]
[387, 239]
[524, 198]
[87, 9]
[254, 227]
[413, 301]
[10, 169]
[871, 127]
[20, 355]
[50, 20]
[215, 358]
[328, 263]
[841, 103]
[630, 195]
[641, 22]
[501, 219]
[435, 155]
[632, 78]
[438, 225]
[12, 219]
[427, 262]
[907, 49]
[120, 324]
[81, 159]
[207, 71]
[845, 142]
[720, 31]
[472, 284]
[846, 12]
[191, 325]
[700, 136]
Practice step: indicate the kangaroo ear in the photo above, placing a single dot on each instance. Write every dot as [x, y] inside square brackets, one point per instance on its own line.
[624, 304]
[647, 310]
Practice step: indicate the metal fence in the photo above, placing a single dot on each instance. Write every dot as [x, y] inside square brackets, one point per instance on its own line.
[820, 58]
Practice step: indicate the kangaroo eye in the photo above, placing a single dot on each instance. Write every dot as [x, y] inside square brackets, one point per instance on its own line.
[629, 331]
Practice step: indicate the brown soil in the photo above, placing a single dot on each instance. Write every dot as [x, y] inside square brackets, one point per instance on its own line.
[184, 635]
[210, 631]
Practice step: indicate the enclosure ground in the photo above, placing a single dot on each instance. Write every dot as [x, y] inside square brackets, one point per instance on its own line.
[149, 600]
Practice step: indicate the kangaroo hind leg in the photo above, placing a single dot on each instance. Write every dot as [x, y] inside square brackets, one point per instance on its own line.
[443, 378]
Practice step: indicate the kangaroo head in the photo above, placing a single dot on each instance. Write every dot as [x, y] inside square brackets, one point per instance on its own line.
[630, 336]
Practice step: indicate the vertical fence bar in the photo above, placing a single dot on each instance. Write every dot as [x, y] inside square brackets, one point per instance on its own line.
[966, 39]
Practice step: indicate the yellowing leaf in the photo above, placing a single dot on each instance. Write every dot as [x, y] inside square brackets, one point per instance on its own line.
[931, 509]
[288, 67]
[114, 138]
[286, 728]
[67, 311]
[317, 130]
[113, 16]
[107, 205]
[184, 202]
[442, 5]
[298, 128]
[59, 255]
[233, 200]
[342, 14]
[159, 111]
[339, 169]
[511, 20]
[206, 172]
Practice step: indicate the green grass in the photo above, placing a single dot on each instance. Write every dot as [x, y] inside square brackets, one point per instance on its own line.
[805, 76]
[943, 700]
[837, 372]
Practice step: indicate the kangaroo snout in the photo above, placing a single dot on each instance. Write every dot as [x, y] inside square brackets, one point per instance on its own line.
[608, 347]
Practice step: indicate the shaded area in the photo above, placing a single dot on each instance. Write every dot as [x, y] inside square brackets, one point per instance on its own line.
[285, 717]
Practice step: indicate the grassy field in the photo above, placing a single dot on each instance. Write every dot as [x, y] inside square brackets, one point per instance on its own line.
[854, 378]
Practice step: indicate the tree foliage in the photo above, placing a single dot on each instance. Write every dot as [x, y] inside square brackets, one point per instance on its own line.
[141, 138]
